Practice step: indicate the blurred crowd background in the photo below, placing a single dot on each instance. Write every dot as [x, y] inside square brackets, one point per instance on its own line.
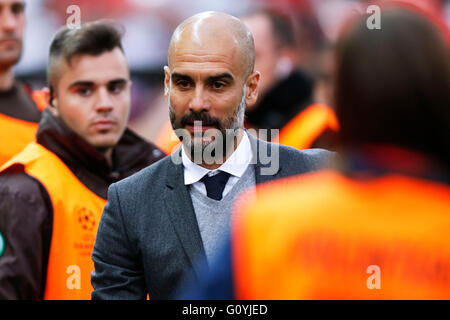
[149, 24]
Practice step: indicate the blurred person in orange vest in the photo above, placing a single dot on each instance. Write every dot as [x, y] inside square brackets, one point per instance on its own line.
[19, 114]
[54, 190]
[286, 101]
[378, 227]
[316, 125]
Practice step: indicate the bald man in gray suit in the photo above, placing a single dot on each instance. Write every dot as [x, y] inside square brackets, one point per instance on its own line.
[168, 220]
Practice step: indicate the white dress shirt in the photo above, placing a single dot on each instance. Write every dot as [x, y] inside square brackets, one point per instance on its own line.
[235, 165]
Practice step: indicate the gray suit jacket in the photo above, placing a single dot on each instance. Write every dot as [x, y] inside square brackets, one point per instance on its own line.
[148, 238]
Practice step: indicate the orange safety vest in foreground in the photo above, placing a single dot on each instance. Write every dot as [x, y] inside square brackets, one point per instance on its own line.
[15, 133]
[325, 236]
[76, 214]
[307, 126]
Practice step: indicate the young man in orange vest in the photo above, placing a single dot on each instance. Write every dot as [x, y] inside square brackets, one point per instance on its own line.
[19, 115]
[378, 228]
[53, 192]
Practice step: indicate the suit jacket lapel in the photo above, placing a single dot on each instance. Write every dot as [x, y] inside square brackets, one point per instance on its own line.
[181, 211]
[182, 215]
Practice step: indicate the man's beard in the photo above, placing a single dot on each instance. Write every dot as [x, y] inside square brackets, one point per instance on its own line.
[228, 129]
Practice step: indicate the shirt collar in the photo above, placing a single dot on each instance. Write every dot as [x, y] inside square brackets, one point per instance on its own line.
[235, 165]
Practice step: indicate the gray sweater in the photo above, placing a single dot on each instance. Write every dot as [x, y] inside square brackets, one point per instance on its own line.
[214, 216]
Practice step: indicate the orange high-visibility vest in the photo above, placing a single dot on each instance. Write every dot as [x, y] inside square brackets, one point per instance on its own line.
[325, 236]
[167, 140]
[76, 214]
[15, 133]
[307, 126]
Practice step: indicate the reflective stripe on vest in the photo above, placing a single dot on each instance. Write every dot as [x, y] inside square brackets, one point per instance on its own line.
[15, 134]
[307, 126]
[324, 236]
[76, 214]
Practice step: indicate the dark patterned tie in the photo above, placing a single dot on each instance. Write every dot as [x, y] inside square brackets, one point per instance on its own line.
[215, 184]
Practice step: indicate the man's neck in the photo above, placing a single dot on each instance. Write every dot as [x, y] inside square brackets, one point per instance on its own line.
[108, 155]
[6, 79]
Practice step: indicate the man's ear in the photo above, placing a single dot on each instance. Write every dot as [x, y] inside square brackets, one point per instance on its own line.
[51, 100]
[47, 95]
[251, 94]
[166, 81]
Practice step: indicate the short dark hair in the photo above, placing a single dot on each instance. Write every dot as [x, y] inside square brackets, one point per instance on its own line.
[93, 38]
[392, 85]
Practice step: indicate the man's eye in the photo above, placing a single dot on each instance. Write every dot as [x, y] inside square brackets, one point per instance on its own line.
[218, 85]
[84, 91]
[183, 84]
[116, 88]
[17, 8]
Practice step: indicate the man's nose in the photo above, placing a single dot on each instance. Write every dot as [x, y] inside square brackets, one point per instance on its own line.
[104, 101]
[199, 101]
[8, 21]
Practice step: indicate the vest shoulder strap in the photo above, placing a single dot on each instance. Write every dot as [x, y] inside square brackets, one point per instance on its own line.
[307, 126]
[47, 167]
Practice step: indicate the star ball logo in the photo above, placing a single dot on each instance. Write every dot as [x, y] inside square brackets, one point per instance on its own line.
[86, 219]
